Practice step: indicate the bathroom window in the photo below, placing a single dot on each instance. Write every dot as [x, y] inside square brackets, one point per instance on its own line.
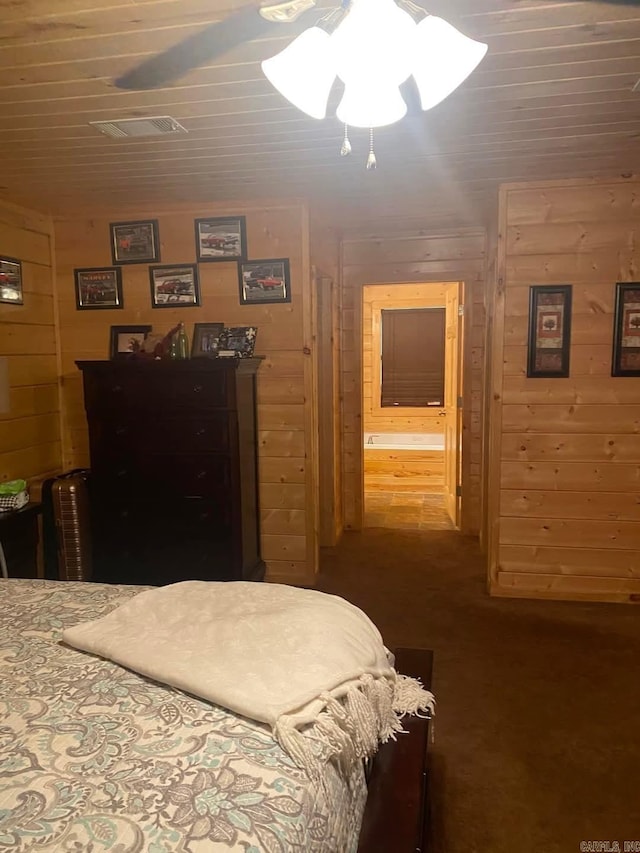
[413, 357]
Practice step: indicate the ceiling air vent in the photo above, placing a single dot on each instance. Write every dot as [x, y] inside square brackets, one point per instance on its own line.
[136, 127]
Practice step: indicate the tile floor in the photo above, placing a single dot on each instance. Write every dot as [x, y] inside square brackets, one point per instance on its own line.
[406, 510]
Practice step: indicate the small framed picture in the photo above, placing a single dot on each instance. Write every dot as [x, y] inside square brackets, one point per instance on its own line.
[135, 242]
[206, 339]
[98, 287]
[174, 286]
[264, 281]
[127, 340]
[626, 330]
[238, 342]
[549, 330]
[11, 281]
[221, 239]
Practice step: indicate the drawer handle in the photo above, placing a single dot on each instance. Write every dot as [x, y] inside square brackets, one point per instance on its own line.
[201, 475]
[122, 430]
[197, 389]
[122, 472]
[116, 389]
[201, 431]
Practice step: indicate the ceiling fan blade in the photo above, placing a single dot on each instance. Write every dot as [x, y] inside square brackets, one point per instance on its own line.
[213, 41]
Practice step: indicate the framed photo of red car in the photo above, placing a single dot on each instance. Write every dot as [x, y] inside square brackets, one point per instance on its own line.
[626, 330]
[135, 242]
[127, 340]
[549, 331]
[174, 286]
[264, 281]
[11, 281]
[98, 287]
[222, 238]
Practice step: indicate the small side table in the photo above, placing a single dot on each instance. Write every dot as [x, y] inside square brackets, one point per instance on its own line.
[19, 541]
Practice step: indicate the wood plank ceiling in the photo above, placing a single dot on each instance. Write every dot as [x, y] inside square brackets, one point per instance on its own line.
[553, 98]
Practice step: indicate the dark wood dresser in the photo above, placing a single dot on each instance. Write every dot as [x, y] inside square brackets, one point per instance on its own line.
[174, 486]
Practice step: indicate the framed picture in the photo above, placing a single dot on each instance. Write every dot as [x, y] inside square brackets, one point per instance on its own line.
[221, 239]
[98, 287]
[626, 330]
[11, 281]
[135, 242]
[238, 342]
[264, 281]
[174, 286]
[126, 340]
[206, 339]
[549, 330]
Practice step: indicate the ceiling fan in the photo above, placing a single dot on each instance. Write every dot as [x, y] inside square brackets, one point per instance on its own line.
[247, 23]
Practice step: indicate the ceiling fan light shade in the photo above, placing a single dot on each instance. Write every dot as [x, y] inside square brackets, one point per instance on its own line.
[442, 59]
[371, 44]
[304, 72]
[367, 106]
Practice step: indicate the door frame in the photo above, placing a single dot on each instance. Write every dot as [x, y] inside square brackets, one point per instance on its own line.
[352, 330]
[327, 355]
[405, 301]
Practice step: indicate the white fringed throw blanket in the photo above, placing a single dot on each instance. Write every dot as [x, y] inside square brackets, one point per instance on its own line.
[310, 665]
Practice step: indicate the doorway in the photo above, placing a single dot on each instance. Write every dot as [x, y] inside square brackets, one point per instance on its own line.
[412, 337]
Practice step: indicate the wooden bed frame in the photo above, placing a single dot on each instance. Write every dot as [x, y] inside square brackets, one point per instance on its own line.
[396, 812]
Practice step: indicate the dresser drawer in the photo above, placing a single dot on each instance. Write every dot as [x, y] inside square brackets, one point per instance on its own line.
[209, 433]
[116, 436]
[190, 475]
[119, 475]
[154, 476]
[112, 391]
[125, 436]
[196, 391]
[151, 390]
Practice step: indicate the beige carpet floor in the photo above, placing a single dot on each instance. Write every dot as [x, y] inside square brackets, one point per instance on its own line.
[537, 738]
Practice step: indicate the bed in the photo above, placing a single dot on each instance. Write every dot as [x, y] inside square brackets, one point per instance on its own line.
[94, 757]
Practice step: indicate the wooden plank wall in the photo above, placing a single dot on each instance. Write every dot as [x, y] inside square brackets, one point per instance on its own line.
[324, 250]
[30, 432]
[413, 256]
[288, 483]
[565, 461]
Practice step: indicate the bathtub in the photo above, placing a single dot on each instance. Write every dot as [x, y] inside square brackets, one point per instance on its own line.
[403, 441]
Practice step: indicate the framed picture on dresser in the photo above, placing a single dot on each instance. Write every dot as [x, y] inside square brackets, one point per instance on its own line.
[238, 342]
[206, 340]
[127, 340]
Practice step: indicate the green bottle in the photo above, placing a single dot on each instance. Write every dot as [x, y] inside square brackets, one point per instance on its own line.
[182, 343]
[173, 346]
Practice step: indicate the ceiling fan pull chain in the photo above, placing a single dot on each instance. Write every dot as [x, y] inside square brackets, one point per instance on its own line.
[346, 145]
[371, 159]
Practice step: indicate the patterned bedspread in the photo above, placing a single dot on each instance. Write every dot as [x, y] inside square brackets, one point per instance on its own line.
[96, 758]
